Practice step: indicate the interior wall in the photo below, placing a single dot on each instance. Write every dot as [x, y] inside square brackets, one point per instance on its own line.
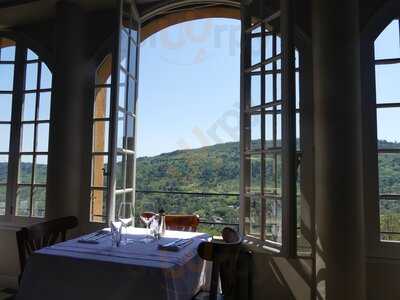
[9, 263]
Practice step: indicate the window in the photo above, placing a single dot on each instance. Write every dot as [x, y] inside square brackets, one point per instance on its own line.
[387, 72]
[25, 96]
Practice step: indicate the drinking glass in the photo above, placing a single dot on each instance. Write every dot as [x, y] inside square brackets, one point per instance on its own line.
[125, 216]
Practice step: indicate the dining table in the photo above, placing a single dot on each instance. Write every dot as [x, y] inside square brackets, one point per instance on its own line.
[92, 267]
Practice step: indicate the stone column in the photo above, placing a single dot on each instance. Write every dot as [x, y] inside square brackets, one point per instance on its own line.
[69, 119]
[340, 249]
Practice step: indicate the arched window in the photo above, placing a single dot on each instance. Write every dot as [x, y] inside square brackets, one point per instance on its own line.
[387, 74]
[25, 100]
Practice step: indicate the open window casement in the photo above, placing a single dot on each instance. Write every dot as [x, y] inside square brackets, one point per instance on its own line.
[268, 127]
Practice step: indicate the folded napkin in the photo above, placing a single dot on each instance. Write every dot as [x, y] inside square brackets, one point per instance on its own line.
[175, 245]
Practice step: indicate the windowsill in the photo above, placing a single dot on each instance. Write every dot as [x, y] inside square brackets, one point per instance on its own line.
[16, 223]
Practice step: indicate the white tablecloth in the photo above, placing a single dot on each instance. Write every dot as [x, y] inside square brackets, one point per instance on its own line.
[141, 271]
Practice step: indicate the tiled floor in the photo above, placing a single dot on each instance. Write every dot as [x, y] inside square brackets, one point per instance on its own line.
[7, 294]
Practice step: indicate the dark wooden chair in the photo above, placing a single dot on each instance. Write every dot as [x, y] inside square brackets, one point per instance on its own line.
[224, 256]
[182, 222]
[148, 214]
[35, 237]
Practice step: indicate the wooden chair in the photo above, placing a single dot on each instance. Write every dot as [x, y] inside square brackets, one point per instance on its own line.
[224, 256]
[148, 214]
[35, 237]
[182, 222]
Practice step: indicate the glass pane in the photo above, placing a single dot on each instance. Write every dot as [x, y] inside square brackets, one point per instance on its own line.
[7, 50]
[131, 96]
[39, 202]
[255, 216]
[28, 110]
[273, 221]
[3, 168]
[120, 130]
[297, 90]
[273, 174]
[387, 45]
[269, 88]
[255, 50]
[6, 107]
[3, 195]
[42, 137]
[45, 78]
[25, 169]
[100, 136]
[130, 133]
[255, 90]
[130, 171]
[388, 128]
[255, 178]
[41, 169]
[389, 219]
[278, 130]
[31, 76]
[99, 170]
[27, 137]
[98, 205]
[7, 77]
[389, 173]
[23, 201]
[44, 106]
[102, 103]
[268, 47]
[297, 58]
[5, 137]
[132, 60]
[278, 86]
[122, 90]
[269, 129]
[255, 132]
[298, 144]
[120, 171]
[124, 50]
[387, 90]
[31, 55]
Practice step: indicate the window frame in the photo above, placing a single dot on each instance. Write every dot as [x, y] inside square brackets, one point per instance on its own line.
[22, 45]
[375, 246]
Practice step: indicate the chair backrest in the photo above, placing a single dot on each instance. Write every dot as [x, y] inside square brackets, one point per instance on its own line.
[35, 237]
[182, 222]
[224, 255]
[148, 214]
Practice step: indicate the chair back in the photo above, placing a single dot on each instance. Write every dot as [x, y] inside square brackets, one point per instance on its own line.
[182, 222]
[224, 255]
[148, 214]
[35, 237]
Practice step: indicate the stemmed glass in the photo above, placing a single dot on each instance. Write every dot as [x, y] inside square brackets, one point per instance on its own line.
[125, 216]
[147, 218]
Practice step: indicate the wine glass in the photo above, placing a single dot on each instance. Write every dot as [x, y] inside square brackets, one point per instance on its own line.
[125, 216]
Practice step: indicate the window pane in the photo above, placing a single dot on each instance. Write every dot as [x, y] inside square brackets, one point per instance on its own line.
[98, 205]
[389, 173]
[273, 220]
[45, 77]
[387, 45]
[23, 201]
[100, 136]
[5, 137]
[269, 129]
[255, 90]
[124, 50]
[273, 174]
[255, 132]
[7, 77]
[120, 171]
[7, 50]
[27, 137]
[387, 90]
[268, 47]
[255, 50]
[25, 169]
[38, 202]
[42, 137]
[3, 168]
[130, 170]
[132, 60]
[3, 195]
[44, 106]
[28, 110]
[6, 107]
[130, 133]
[297, 90]
[122, 90]
[278, 86]
[278, 130]
[390, 219]
[41, 169]
[269, 88]
[102, 103]
[388, 128]
[99, 170]
[31, 76]
[131, 96]
[255, 179]
[255, 216]
[31, 55]
[120, 130]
